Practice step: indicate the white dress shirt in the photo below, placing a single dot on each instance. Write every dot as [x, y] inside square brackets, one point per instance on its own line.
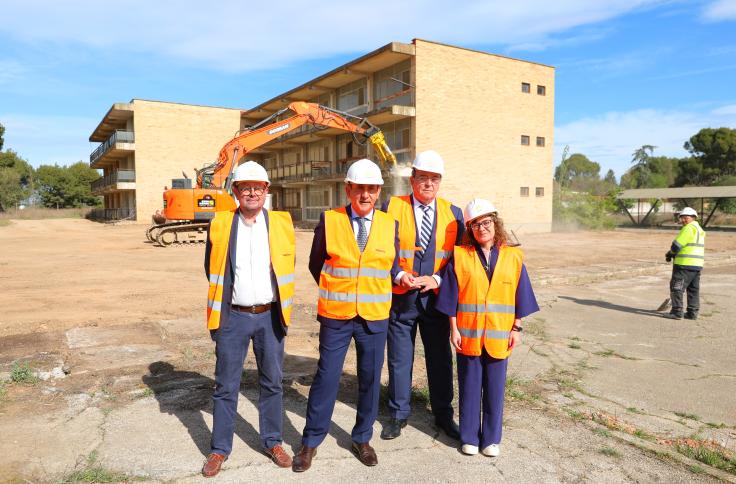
[418, 219]
[253, 284]
[367, 222]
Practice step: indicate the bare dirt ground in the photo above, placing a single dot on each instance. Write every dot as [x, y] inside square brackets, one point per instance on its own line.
[603, 389]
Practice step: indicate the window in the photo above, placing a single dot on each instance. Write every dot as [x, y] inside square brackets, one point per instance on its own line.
[524, 140]
[524, 191]
[393, 86]
[526, 87]
[351, 97]
[541, 90]
[540, 141]
[540, 191]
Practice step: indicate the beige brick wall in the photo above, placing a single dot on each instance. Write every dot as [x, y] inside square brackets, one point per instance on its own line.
[170, 138]
[470, 108]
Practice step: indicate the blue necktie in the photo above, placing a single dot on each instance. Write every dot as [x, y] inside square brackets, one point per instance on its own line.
[425, 232]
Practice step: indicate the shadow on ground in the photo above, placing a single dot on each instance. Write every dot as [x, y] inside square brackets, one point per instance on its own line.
[612, 306]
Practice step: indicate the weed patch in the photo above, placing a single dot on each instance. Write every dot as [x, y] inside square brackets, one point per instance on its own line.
[689, 416]
[22, 373]
[609, 452]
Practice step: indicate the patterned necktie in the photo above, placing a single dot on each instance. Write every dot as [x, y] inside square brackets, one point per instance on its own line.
[425, 233]
[362, 233]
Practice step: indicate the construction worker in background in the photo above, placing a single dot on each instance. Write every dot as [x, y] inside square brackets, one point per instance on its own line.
[688, 252]
[353, 258]
[249, 261]
[429, 228]
[485, 291]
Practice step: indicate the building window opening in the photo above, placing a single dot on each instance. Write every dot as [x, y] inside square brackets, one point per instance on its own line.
[541, 90]
[540, 141]
[526, 87]
[524, 140]
[540, 191]
[524, 191]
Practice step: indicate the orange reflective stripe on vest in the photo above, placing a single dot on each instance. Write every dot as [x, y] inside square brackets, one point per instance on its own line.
[282, 246]
[486, 310]
[353, 283]
[445, 233]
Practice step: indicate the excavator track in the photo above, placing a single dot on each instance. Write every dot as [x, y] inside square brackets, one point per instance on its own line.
[177, 233]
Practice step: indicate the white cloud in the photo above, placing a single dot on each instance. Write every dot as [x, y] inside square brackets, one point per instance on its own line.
[11, 71]
[611, 138]
[235, 36]
[720, 10]
[46, 140]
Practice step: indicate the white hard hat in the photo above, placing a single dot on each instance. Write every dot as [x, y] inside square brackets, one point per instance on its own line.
[688, 211]
[430, 161]
[364, 172]
[477, 208]
[250, 171]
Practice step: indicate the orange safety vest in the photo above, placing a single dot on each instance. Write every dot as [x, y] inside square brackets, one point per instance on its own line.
[353, 283]
[282, 246]
[446, 229]
[486, 310]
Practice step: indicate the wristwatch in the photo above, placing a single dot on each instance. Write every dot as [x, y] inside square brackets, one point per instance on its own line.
[517, 328]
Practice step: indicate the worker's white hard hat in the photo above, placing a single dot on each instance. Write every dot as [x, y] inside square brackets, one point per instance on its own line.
[688, 211]
[364, 172]
[250, 171]
[430, 161]
[477, 208]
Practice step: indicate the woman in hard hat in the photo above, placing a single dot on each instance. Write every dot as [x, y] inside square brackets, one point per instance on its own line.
[486, 291]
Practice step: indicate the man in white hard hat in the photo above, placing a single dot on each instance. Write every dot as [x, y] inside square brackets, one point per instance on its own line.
[429, 228]
[688, 252]
[249, 261]
[352, 260]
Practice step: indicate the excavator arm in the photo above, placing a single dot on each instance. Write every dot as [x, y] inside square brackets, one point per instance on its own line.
[304, 113]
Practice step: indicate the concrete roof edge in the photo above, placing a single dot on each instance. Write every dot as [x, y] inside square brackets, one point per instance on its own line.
[483, 52]
[679, 192]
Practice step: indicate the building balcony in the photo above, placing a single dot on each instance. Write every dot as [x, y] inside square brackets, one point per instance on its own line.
[117, 180]
[118, 146]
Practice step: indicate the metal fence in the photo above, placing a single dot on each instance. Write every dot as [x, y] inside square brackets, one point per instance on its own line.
[119, 136]
[120, 176]
[104, 214]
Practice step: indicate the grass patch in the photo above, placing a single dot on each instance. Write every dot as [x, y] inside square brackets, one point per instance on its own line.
[41, 213]
[22, 373]
[609, 452]
[716, 425]
[535, 327]
[575, 338]
[634, 410]
[605, 353]
[602, 432]
[575, 414]
[148, 392]
[522, 390]
[4, 222]
[420, 396]
[708, 453]
[643, 435]
[95, 472]
[695, 469]
[3, 390]
[574, 346]
[689, 416]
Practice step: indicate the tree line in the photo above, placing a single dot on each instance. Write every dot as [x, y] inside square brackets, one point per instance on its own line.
[50, 186]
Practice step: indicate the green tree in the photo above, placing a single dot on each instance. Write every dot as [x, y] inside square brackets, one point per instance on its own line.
[713, 157]
[16, 179]
[64, 187]
[577, 172]
[2, 136]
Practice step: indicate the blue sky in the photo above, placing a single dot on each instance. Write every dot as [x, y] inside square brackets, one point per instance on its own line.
[628, 72]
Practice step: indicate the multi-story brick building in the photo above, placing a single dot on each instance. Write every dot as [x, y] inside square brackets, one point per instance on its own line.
[490, 117]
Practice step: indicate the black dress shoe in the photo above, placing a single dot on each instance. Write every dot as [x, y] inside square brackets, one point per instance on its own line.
[365, 453]
[449, 427]
[392, 429]
[692, 316]
[672, 316]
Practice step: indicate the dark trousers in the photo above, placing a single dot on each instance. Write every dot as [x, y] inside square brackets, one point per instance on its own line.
[685, 280]
[334, 341]
[481, 381]
[435, 333]
[232, 342]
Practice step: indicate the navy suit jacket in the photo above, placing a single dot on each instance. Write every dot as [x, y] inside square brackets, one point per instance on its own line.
[227, 289]
[318, 256]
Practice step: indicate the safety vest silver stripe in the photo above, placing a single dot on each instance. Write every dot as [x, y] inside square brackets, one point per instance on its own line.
[489, 333]
[351, 296]
[214, 305]
[695, 245]
[441, 254]
[689, 256]
[286, 303]
[406, 253]
[486, 308]
[285, 279]
[216, 278]
[350, 272]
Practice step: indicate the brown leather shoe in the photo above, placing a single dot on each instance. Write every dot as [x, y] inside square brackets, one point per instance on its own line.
[365, 453]
[279, 456]
[213, 464]
[303, 460]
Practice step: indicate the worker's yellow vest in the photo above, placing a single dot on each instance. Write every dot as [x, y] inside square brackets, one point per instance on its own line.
[353, 283]
[282, 246]
[486, 310]
[692, 240]
[402, 210]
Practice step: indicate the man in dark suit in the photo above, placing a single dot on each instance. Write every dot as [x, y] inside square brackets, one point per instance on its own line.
[429, 228]
[353, 259]
[249, 262]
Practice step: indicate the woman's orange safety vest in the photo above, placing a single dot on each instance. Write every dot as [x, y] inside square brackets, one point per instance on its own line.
[353, 283]
[486, 310]
[282, 246]
[402, 210]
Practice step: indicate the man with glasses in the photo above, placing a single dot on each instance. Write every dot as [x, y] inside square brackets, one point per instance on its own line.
[429, 228]
[249, 261]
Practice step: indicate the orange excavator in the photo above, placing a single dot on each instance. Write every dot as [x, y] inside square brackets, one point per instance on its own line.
[188, 210]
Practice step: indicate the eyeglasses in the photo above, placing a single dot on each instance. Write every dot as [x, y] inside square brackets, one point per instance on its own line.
[486, 224]
[257, 191]
[434, 180]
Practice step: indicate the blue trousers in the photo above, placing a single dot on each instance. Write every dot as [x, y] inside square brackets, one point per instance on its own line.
[334, 340]
[435, 333]
[481, 380]
[231, 343]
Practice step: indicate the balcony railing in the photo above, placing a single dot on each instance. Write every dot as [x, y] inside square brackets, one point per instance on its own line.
[112, 214]
[119, 176]
[309, 171]
[401, 98]
[119, 136]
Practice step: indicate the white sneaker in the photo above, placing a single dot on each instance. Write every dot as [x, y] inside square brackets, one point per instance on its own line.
[470, 449]
[492, 450]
